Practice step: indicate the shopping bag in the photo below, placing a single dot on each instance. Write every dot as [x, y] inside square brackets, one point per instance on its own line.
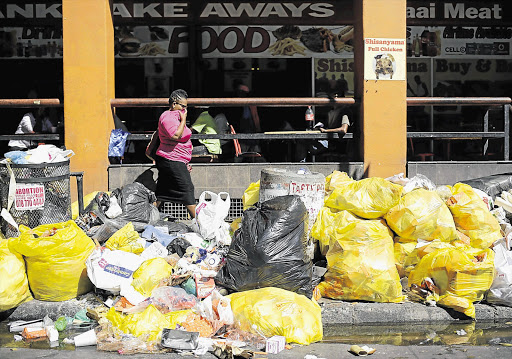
[117, 143]
[153, 145]
[110, 270]
[210, 216]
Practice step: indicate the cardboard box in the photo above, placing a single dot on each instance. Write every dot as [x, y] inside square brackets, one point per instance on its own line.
[204, 286]
[33, 333]
[275, 344]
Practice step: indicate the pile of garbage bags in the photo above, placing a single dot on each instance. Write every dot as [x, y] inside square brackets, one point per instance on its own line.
[165, 285]
[214, 286]
[439, 242]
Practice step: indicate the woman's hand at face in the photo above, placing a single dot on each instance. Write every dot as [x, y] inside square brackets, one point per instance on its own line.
[183, 114]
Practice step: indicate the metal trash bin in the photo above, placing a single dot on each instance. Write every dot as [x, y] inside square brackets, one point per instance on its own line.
[43, 194]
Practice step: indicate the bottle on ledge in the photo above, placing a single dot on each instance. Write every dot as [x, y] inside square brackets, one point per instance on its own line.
[310, 118]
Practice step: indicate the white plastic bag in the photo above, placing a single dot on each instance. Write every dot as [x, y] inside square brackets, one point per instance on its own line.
[500, 292]
[409, 184]
[210, 216]
[109, 270]
[48, 154]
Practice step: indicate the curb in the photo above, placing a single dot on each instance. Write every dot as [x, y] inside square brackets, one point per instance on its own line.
[357, 313]
[334, 312]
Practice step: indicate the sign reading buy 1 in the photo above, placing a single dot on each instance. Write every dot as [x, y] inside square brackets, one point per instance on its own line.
[29, 196]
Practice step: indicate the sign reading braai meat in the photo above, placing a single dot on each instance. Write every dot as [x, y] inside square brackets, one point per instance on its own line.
[467, 13]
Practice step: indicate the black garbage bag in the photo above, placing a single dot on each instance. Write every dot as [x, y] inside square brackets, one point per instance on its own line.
[492, 185]
[174, 227]
[178, 246]
[136, 201]
[270, 249]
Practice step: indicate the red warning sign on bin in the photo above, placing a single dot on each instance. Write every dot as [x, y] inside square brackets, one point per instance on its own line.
[29, 196]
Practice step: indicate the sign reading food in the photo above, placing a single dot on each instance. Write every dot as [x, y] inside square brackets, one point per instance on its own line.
[384, 59]
[29, 196]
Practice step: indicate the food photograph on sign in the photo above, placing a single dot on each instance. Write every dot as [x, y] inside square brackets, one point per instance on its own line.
[291, 40]
[384, 65]
[232, 41]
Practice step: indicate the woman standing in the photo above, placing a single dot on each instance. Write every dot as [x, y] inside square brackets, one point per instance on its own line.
[173, 155]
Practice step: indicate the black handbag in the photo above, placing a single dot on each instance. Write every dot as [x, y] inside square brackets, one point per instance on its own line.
[153, 145]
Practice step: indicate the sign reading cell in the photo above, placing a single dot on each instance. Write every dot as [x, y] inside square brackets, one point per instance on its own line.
[384, 59]
[29, 196]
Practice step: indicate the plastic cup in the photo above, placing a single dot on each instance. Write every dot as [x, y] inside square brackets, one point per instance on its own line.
[85, 339]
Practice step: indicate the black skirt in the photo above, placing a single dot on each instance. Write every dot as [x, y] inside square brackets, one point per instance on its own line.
[174, 182]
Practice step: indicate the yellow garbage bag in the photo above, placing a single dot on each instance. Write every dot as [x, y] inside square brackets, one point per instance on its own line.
[251, 195]
[335, 180]
[326, 222]
[151, 321]
[13, 283]
[422, 214]
[149, 274]
[87, 199]
[408, 253]
[237, 222]
[55, 256]
[461, 272]
[126, 239]
[406, 256]
[472, 217]
[274, 311]
[361, 264]
[368, 198]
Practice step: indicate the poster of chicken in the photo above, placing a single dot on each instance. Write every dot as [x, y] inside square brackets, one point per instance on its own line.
[384, 59]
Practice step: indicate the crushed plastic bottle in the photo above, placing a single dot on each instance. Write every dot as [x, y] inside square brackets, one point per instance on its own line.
[61, 324]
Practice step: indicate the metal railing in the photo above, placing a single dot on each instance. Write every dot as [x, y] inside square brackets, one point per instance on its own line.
[488, 102]
[31, 103]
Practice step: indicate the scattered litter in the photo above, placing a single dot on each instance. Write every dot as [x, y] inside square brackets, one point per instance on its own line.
[85, 339]
[18, 325]
[161, 286]
[361, 351]
[179, 339]
[33, 333]
[275, 344]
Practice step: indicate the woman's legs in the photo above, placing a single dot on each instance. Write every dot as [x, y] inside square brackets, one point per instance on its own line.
[191, 208]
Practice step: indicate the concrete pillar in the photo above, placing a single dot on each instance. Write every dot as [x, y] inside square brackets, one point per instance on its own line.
[383, 111]
[88, 44]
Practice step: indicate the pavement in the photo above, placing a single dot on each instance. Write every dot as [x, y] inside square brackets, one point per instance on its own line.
[334, 312]
[319, 350]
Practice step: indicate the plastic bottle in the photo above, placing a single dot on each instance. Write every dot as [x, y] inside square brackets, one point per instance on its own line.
[416, 46]
[424, 41]
[28, 49]
[61, 324]
[310, 118]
